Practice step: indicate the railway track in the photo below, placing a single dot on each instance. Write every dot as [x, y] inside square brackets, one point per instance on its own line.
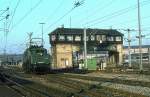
[14, 84]
[81, 89]
[113, 80]
[66, 85]
[5, 82]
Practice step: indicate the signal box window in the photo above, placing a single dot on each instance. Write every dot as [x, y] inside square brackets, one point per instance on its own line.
[77, 38]
[70, 38]
[110, 38]
[118, 38]
[103, 37]
[98, 37]
[53, 37]
[61, 37]
[92, 37]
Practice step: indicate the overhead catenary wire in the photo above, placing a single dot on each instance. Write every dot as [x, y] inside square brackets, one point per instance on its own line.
[101, 8]
[14, 13]
[2, 13]
[5, 25]
[133, 20]
[60, 18]
[77, 4]
[54, 12]
[94, 11]
[114, 14]
[29, 12]
[2, 18]
[5, 34]
[106, 19]
[146, 28]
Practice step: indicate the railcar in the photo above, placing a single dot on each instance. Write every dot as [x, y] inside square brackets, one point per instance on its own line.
[36, 59]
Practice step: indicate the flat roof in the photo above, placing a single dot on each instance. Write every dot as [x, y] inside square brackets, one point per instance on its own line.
[89, 31]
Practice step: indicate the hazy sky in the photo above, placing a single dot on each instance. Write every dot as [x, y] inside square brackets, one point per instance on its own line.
[117, 14]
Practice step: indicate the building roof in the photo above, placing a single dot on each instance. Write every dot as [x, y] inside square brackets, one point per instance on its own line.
[137, 46]
[89, 31]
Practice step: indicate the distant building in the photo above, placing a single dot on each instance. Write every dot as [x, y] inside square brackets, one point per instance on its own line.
[11, 59]
[135, 55]
[68, 45]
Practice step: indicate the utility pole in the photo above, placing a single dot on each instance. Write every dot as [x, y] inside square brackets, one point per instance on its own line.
[149, 55]
[129, 41]
[129, 46]
[42, 34]
[6, 33]
[30, 38]
[85, 49]
[140, 37]
[5, 43]
[4, 60]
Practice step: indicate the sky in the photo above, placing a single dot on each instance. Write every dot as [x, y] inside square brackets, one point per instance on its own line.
[25, 16]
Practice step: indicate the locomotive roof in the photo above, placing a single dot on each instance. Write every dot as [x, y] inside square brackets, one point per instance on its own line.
[34, 47]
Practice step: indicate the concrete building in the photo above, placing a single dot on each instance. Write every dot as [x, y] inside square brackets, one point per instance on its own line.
[135, 56]
[67, 45]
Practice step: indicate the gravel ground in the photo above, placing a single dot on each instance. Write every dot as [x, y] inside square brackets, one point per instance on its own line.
[8, 92]
[132, 89]
[134, 77]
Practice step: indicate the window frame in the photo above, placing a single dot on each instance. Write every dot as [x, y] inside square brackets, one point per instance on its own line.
[53, 37]
[118, 37]
[98, 37]
[92, 37]
[68, 37]
[60, 38]
[110, 38]
[103, 37]
[77, 39]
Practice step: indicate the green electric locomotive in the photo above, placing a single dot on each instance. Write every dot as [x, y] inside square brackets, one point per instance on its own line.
[36, 59]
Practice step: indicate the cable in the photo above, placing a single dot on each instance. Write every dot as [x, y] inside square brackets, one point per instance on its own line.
[14, 13]
[101, 7]
[115, 14]
[4, 11]
[29, 12]
[134, 20]
[2, 19]
[61, 18]
[94, 12]
[54, 12]
[57, 8]
[77, 4]
[146, 28]
[111, 17]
